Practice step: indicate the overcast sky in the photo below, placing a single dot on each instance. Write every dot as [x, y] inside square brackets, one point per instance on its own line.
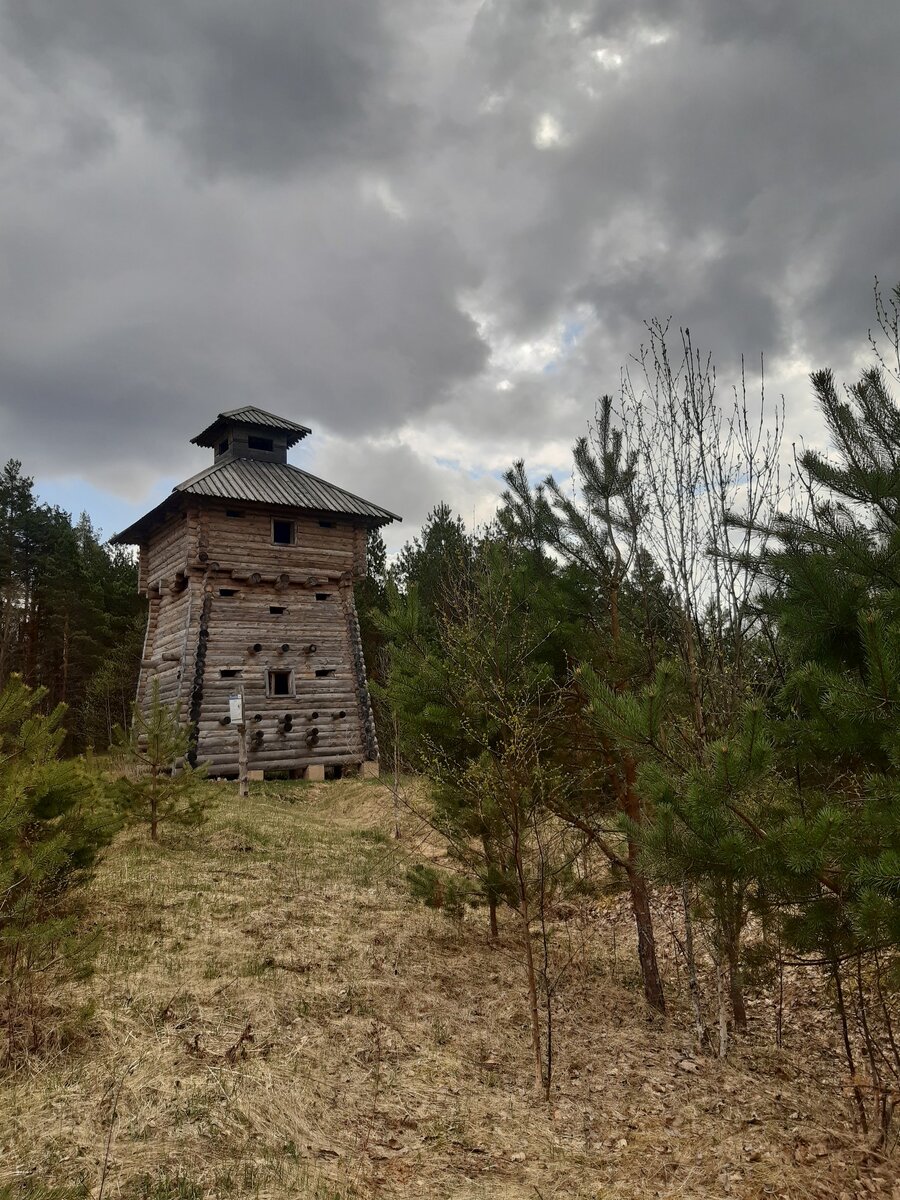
[430, 229]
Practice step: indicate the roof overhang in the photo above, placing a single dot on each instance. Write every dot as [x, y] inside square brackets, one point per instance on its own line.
[140, 531]
[251, 418]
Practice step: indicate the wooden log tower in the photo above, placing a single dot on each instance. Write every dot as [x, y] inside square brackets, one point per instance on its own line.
[249, 569]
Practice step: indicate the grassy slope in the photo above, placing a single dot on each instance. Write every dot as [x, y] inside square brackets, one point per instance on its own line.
[273, 1017]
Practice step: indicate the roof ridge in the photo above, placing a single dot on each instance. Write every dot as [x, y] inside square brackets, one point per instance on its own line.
[234, 412]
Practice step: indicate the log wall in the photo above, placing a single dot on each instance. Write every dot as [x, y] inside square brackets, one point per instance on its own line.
[245, 542]
[218, 585]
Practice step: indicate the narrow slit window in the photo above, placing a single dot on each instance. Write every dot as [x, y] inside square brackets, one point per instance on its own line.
[325, 671]
[277, 610]
[228, 592]
[282, 532]
[327, 524]
[260, 443]
[323, 595]
[230, 673]
[234, 513]
[280, 683]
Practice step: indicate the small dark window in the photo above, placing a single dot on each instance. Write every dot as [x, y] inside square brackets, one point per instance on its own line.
[228, 592]
[258, 443]
[223, 446]
[233, 512]
[283, 532]
[323, 671]
[327, 524]
[323, 595]
[277, 610]
[230, 673]
[281, 683]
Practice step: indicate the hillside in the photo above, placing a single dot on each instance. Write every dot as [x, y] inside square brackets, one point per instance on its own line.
[271, 1016]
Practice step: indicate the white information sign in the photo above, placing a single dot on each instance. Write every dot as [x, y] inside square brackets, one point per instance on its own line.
[236, 709]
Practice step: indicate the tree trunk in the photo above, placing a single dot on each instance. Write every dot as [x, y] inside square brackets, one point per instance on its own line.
[736, 988]
[533, 1003]
[492, 915]
[691, 959]
[640, 903]
[848, 1049]
[529, 968]
[721, 992]
[640, 900]
[631, 806]
[154, 811]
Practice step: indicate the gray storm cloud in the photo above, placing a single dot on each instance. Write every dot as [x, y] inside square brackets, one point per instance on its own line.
[423, 225]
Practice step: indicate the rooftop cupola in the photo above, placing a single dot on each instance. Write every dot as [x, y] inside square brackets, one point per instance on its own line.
[250, 432]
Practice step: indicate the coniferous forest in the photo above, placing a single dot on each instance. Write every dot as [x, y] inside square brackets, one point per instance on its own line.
[683, 664]
[669, 680]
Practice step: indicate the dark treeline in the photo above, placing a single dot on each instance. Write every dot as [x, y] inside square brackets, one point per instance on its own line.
[71, 620]
[681, 666]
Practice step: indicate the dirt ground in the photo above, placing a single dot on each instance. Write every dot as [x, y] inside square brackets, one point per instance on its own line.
[270, 1015]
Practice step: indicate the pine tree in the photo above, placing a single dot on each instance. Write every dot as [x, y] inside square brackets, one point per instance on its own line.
[160, 786]
[710, 806]
[477, 709]
[68, 604]
[55, 819]
[597, 533]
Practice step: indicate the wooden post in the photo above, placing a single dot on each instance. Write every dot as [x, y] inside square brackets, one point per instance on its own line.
[243, 785]
[236, 713]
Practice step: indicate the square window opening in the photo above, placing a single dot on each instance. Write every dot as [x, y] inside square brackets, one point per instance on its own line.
[323, 595]
[281, 683]
[223, 446]
[282, 532]
[277, 610]
[260, 443]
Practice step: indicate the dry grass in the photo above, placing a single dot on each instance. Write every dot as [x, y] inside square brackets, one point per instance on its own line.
[271, 1016]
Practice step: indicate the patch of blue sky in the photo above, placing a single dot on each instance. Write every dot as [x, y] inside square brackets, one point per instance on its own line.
[572, 331]
[451, 464]
[473, 472]
[108, 512]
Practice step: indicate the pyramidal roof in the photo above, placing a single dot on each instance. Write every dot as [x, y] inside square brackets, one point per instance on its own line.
[251, 415]
[258, 480]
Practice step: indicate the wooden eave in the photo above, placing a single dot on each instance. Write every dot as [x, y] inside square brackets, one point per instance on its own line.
[267, 485]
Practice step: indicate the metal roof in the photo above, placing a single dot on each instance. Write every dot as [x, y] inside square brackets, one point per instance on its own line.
[250, 415]
[256, 481]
